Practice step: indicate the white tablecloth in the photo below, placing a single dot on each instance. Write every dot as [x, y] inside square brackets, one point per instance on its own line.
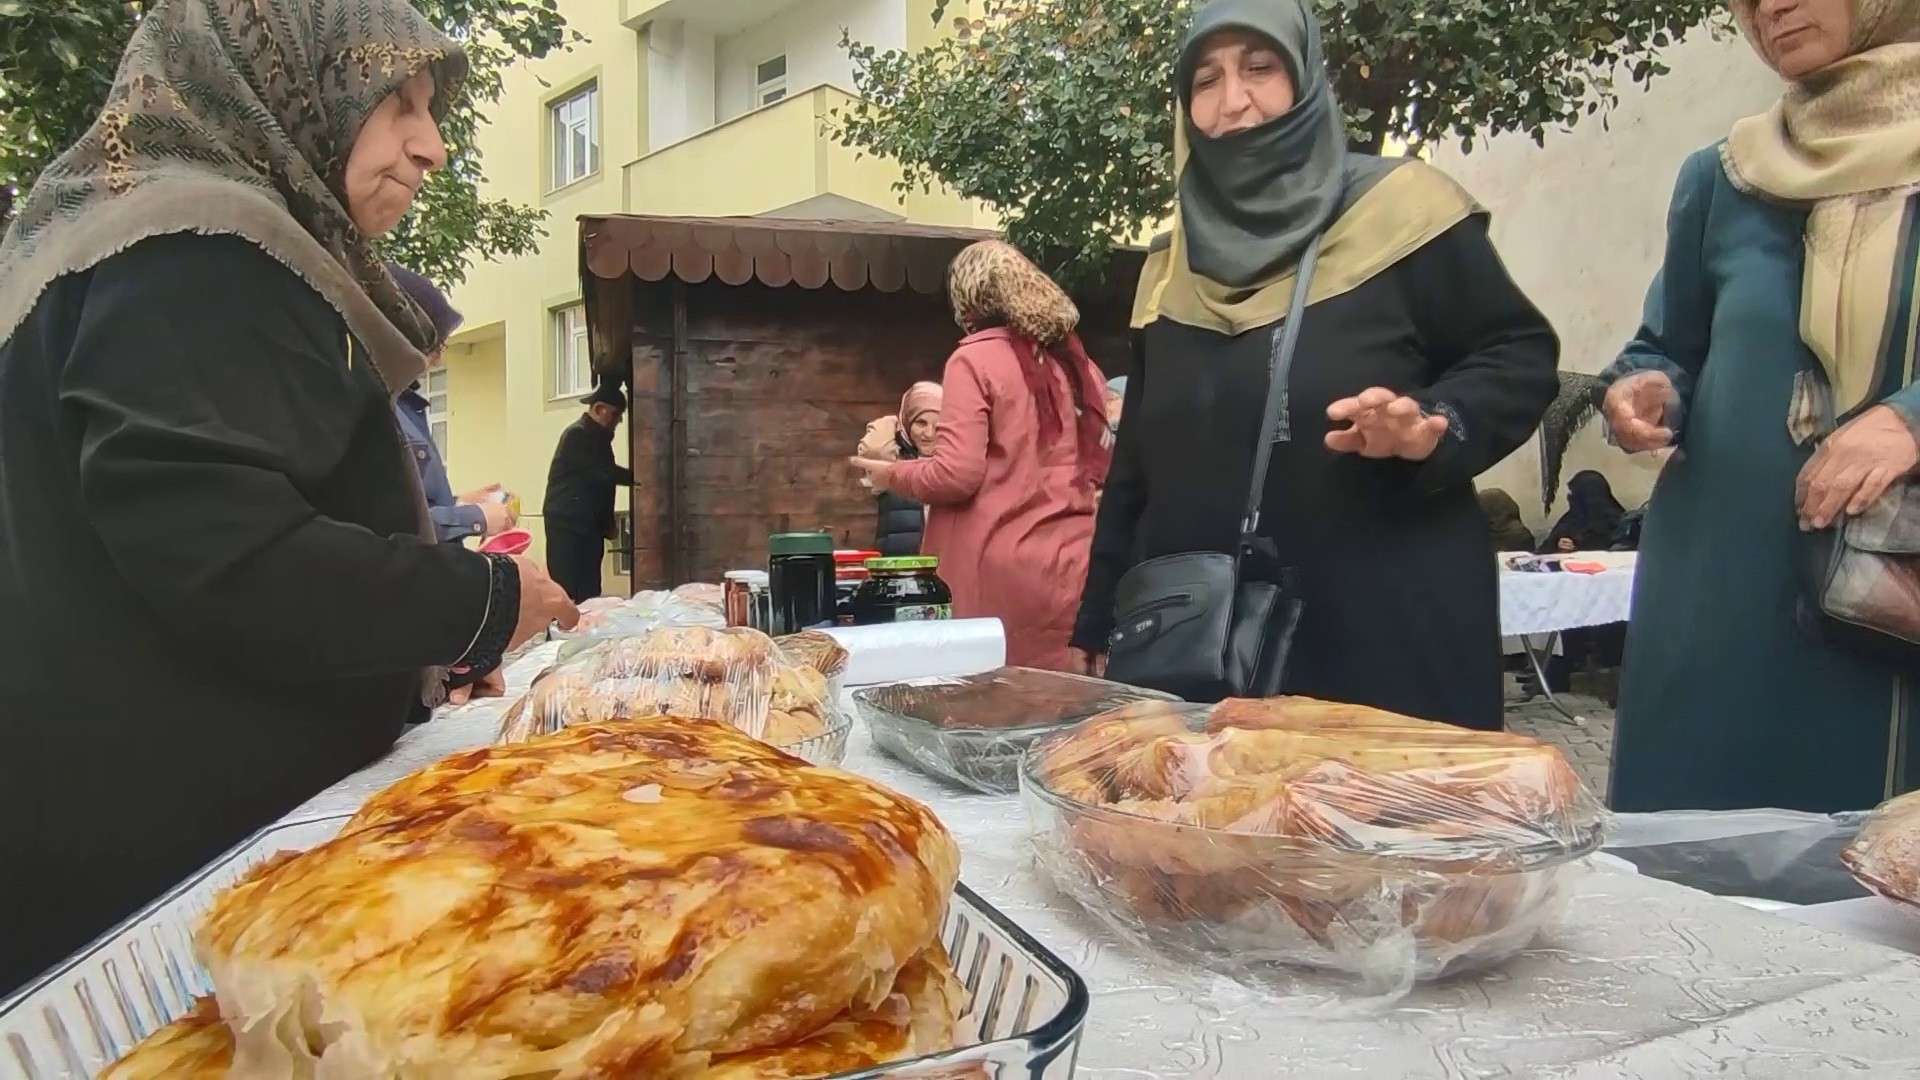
[1541, 603]
[1643, 981]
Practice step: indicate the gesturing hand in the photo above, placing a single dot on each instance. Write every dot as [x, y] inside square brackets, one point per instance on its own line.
[1383, 424]
[1853, 467]
[542, 603]
[1636, 411]
[873, 473]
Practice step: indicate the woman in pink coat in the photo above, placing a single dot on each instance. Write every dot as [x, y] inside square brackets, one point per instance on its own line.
[1011, 490]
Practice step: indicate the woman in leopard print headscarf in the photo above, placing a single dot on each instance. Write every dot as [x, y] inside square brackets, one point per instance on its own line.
[1012, 486]
[214, 594]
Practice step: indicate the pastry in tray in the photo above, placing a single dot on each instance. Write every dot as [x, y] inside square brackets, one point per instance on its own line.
[1311, 813]
[1885, 856]
[816, 650]
[919, 1016]
[635, 898]
[722, 675]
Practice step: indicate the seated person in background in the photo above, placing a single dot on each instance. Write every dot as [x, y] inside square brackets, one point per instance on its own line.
[1591, 518]
[1503, 522]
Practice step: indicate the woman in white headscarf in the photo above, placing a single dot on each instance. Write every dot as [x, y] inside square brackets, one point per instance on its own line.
[1786, 305]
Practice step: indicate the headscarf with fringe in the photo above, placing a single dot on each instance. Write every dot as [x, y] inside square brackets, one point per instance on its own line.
[236, 117]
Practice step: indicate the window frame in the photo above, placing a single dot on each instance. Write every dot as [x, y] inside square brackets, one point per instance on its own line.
[562, 171]
[562, 334]
[776, 86]
[439, 409]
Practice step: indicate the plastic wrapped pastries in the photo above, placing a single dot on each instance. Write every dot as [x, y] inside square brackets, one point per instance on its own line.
[736, 676]
[1885, 857]
[1273, 839]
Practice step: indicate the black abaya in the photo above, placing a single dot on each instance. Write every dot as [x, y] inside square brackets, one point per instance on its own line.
[1396, 565]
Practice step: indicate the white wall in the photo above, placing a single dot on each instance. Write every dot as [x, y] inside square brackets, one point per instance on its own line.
[680, 82]
[1581, 223]
[809, 34]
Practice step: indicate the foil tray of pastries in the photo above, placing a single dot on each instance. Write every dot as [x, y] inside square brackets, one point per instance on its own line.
[784, 693]
[974, 729]
[665, 899]
[1885, 855]
[1264, 838]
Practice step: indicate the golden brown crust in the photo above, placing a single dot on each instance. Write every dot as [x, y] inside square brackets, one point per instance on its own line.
[197, 1046]
[1885, 857]
[618, 896]
[816, 650]
[1285, 802]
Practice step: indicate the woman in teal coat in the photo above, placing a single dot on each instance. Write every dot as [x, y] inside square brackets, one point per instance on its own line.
[1786, 303]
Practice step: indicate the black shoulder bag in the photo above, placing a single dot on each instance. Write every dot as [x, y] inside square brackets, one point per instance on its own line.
[1194, 624]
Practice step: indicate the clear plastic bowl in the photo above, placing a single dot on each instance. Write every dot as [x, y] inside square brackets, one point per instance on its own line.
[1025, 1012]
[924, 722]
[1330, 880]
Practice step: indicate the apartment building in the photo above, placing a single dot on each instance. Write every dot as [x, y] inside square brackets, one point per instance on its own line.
[681, 107]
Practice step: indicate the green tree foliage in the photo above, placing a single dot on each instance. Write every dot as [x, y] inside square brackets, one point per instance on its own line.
[1058, 113]
[57, 61]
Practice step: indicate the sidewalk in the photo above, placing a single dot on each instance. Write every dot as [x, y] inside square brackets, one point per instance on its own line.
[1588, 747]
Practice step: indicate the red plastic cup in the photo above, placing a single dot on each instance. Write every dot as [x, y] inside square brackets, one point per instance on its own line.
[511, 542]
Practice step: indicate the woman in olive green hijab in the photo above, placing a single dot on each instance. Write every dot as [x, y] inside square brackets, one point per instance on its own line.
[1419, 365]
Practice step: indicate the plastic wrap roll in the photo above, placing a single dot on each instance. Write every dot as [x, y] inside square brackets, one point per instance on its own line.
[922, 650]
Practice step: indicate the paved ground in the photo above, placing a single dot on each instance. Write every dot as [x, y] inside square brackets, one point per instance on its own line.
[1588, 746]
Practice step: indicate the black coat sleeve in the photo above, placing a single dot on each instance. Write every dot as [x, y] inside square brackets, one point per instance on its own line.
[210, 388]
[1116, 528]
[587, 455]
[1492, 357]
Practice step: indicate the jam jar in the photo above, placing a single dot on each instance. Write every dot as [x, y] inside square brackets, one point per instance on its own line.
[849, 573]
[903, 589]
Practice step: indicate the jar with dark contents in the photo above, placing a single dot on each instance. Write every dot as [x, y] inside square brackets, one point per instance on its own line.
[849, 573]
[903, 589]
[800, 581]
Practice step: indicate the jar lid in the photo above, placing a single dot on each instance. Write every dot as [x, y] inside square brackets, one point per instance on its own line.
[854, 558]
[904, 562]
[751, 577]
[800, 543]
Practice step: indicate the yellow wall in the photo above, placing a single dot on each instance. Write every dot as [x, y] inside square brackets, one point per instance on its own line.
[502, 427]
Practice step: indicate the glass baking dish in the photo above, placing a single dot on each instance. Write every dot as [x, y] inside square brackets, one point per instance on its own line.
[973, 729]
[1025, 1010]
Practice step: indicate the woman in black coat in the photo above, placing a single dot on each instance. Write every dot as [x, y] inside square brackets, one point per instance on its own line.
[219, 589]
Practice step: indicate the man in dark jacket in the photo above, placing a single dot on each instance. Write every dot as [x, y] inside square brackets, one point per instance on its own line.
[580, 489]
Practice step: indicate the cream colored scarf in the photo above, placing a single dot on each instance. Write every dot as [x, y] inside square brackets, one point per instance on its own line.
[1845, 142]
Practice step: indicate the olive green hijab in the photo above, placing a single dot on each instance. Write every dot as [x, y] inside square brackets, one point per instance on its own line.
[1250, 202]
[236, 117]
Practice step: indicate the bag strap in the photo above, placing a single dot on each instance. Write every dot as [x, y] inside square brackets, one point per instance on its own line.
[1275, 425]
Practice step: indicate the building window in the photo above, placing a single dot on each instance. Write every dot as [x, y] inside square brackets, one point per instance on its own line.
[436, 394]
[770, 81]
[576, 137]
[623, 543]
[572, 359]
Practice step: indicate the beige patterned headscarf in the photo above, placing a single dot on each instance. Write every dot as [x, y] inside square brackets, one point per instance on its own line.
[1845, 142]
[236, 117]
[992, 282]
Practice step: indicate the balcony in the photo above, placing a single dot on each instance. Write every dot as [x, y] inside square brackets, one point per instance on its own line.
[715, 16]
[768, 159]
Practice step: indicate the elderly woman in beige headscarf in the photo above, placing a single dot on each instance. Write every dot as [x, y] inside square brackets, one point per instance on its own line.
[1777, 354]
[911, 433]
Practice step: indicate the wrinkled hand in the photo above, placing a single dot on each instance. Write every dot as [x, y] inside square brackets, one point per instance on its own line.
[491, 685]
[481, 495]
[1853, 467]
[1092, 665]
[542, 603]
[1565, 544]
[1636, 411]
[499, 517]
[874, 473]
[1383, 424]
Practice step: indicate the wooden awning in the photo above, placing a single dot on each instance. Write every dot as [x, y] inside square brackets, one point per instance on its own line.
[851, 255]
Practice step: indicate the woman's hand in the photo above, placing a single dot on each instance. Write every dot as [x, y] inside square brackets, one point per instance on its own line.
[1853, 467]
[480, 495]
[1092, 665]
[1565, 545]
[874, 473]
[491, 685]
[1636, 411]
[542, 603]
[499, 517]
[1383, 424]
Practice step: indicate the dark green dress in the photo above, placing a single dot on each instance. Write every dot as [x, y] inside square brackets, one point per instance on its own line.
[1724, 703]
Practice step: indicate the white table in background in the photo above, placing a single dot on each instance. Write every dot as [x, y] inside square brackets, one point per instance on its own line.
[1536, 607]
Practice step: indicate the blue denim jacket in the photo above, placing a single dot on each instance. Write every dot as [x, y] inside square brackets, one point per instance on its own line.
[451, 521]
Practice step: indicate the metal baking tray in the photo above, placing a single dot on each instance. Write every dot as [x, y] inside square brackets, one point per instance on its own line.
[1025, 1010]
